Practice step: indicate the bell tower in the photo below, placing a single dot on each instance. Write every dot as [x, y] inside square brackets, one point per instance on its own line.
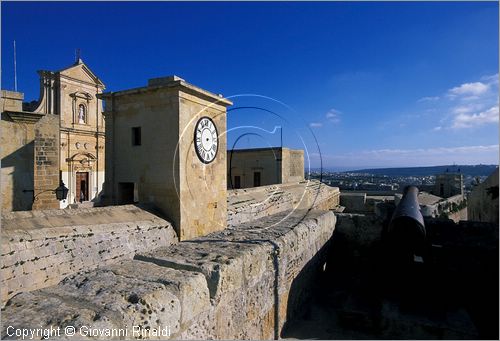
[167, 147]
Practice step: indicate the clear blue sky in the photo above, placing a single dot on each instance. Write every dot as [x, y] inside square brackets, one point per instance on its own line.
[376, 84]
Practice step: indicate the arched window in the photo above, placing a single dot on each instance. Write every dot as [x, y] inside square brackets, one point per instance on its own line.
[82, 114]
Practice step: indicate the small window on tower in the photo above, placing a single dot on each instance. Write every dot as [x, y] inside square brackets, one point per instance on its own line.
[82, 114]
[136, 136]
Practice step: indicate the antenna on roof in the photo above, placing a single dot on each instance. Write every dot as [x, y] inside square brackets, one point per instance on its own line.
[15, 68]
[281, 136]
[77, 55]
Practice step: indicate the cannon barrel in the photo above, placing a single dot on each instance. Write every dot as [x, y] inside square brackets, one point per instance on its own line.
[407, 229]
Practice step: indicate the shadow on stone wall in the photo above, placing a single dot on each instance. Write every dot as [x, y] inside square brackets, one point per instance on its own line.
[308, 281]
[467, 268]
[363, 294]
[22, 161]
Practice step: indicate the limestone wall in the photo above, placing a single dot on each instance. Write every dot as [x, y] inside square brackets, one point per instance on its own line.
[482, 203]
[17, 150]
[11, 100]
[30, 164]
[244, 162]
[276, 165]
[39, 248]
[202, 187]
[353, 202]
[252, 203]
[46, 155]
[164, 169]
[292, 165]
[240, 283]
[359, 229]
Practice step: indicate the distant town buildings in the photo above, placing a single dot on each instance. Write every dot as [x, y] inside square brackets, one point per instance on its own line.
[449, 184]
[442, 195]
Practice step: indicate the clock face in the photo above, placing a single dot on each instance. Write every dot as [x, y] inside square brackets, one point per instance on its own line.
[206, 140]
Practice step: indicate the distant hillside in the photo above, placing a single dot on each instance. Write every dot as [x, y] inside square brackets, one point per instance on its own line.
[476, 170]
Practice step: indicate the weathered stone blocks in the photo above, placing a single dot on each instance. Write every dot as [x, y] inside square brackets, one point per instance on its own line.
[130, 293]
[253, 203]
[243, 282]
[41, 248]
[250, 269]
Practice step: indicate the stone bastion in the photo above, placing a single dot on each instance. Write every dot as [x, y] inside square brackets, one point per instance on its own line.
[122, 266]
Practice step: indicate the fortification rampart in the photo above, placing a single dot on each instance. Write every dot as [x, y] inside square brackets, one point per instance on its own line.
[243, 282]
[40, 248]
[252, 203]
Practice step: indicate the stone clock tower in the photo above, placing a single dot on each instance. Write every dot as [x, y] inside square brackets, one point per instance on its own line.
[167, 147]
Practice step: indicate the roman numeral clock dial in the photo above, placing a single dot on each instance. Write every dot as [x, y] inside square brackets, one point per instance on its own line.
[206, 140]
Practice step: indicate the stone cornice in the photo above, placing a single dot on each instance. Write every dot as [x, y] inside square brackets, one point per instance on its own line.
[24, 116]
[173, 82]
[82, 132]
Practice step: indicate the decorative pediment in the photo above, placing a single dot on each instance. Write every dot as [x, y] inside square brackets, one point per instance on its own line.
[82, 159]
[80, 71]
[83, 95]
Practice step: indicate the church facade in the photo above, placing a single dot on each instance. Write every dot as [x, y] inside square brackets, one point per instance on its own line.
[59, 137]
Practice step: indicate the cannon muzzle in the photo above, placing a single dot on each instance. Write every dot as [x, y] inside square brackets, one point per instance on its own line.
[406, 231]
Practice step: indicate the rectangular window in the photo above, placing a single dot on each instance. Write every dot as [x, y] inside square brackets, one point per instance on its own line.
[256, 179]
[237, 181]
[136, 136]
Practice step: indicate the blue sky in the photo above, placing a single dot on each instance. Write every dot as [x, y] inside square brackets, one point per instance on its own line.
[361, 84]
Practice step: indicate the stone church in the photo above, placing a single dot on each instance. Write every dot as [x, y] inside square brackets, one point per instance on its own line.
[60, 137]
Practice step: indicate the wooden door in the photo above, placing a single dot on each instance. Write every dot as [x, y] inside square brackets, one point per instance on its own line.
[82, 186]
[256, 179]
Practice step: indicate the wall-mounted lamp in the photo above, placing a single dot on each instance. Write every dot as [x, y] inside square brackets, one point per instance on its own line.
[61, 191]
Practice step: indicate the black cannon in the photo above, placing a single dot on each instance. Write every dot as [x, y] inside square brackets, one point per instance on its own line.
[406, 230]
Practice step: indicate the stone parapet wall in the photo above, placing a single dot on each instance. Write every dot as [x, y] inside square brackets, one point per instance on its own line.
[252, 203]
[449, 207]
[40, 248]
[240, 283]
[11, 100]
[17, 171]
[353, 202]
[361, 230]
